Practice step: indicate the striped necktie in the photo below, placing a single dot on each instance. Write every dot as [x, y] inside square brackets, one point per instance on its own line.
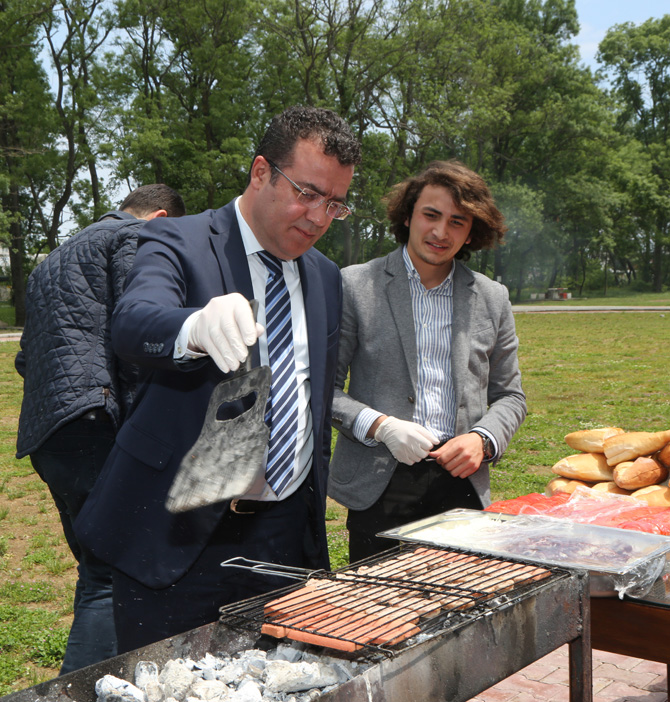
[282, 409]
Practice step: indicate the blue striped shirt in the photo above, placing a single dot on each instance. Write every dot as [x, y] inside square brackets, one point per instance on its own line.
[432, 310]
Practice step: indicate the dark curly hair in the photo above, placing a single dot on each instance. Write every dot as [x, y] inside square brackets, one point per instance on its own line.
[300, 122]
[470, 194]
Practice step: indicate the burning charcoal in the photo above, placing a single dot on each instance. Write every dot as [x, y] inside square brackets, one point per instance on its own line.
[176, 678]
[145, 672]
[256, 667]
[284, 652]
[208, 673]
[309, 696]
[154, 692]
[231, 672]
[254, 661]
[210, 661]
[113, 689]
[208, 666]
[281, 676]
[248, 691]
[210, 690]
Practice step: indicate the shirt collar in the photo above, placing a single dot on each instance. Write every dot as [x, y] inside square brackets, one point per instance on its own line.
[249, 240]
[444, 286]
[251, 245]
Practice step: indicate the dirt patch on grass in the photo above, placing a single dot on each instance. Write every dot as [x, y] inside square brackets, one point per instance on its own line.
[33, 542]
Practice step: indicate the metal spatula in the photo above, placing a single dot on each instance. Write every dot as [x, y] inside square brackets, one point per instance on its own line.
[227, 460]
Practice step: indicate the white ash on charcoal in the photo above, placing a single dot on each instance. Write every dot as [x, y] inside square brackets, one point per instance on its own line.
[285, 674]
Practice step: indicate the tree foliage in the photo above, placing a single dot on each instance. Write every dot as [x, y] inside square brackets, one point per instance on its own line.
[638, 59]
[99, 96]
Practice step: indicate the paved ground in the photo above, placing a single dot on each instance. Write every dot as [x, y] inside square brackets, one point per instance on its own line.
[615, 679]
[10, 336]
[663, 310]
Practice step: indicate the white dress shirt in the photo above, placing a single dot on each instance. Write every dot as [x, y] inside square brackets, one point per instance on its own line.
[259, 275]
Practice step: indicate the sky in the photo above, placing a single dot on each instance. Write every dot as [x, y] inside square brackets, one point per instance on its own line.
[597, 16]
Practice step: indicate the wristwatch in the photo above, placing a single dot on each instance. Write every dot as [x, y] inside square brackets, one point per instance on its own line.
[487, 445]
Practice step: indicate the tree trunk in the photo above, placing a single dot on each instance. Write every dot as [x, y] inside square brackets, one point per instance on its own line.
[380, 233]
[498, 267]
[657, 265]
[16, 259]
[346, 243]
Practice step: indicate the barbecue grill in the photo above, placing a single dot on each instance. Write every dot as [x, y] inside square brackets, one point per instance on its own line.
[432, 624]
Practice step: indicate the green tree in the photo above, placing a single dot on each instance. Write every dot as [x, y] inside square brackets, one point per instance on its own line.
[637, 60]
[74, 32]
[26, 132]
[185, 110]
[345, 55]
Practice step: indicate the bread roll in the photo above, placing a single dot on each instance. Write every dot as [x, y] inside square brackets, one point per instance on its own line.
[611, 487]
[642, 472]
[591, 467]
[663, 456]
[563, 485]
[591, 440]
[654, 496]
[628, 446]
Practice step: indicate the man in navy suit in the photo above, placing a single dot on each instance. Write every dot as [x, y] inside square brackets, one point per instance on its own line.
[185, 319]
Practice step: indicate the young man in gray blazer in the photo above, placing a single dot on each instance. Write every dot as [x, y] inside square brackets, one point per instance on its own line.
[434, 393]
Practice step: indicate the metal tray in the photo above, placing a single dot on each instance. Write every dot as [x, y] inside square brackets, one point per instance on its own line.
[620, 561]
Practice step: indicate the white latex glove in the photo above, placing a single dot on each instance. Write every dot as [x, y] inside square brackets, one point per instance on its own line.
[224, 328]
[409, 442]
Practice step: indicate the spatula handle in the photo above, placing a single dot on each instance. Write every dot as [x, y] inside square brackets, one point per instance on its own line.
[246, 366]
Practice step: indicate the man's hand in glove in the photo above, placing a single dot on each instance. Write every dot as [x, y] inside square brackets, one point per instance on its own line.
[407, 441]
[224, 328]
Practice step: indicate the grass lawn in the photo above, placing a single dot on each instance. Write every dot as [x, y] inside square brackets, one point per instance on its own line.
[579, 370]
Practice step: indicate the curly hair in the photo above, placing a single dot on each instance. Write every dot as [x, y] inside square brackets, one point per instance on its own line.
[470, 194]
[304, 122]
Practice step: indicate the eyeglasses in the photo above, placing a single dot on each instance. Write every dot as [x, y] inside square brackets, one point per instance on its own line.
[312, 200]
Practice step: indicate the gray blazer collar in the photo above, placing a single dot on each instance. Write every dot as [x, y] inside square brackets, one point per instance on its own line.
[462, 324]
[400, 302]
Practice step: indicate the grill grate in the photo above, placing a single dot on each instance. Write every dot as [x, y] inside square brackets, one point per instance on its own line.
[383, 601]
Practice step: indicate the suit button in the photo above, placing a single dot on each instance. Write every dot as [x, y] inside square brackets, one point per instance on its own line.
[412, 399]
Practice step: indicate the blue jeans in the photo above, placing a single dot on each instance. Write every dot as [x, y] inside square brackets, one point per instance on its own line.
[69, 462]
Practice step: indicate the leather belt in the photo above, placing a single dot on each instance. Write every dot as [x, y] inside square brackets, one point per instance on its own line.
[249, 506]
[428, 459]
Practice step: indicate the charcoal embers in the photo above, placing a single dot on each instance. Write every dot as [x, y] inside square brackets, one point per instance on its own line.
[284, 674]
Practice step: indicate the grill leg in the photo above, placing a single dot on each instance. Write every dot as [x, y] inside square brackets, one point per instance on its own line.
[581, 660]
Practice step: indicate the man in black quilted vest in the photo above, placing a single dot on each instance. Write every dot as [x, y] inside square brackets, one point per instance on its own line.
[76, 392]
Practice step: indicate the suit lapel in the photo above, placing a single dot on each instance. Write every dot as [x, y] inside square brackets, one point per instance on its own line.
[400, 302]
[461, 324]
[226, 242]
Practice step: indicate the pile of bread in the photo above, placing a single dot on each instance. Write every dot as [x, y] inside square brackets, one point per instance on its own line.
[613, 460]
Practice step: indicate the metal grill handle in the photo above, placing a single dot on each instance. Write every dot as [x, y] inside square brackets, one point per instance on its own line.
[276, 569]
